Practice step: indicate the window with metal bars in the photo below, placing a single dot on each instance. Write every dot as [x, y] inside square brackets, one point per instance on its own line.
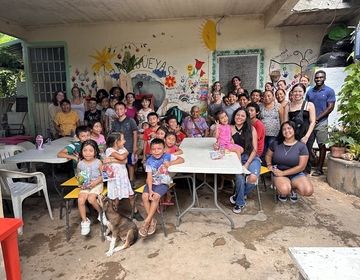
[48, 72]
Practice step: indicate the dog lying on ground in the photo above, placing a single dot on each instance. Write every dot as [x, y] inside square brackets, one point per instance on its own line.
[120, 226]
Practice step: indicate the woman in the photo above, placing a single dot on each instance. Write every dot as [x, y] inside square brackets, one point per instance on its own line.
[236, 83]
[214, 102]
[304, 125]
[54, 108]
[78, 103]
[195, 125]
[271, 118]
[269, 86]
[280, 96]
[66, 120]
[117, 92]
[287, 158]
[244, 134]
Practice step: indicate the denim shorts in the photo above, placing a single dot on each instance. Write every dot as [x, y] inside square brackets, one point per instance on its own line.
[294, 176]
[159, 189]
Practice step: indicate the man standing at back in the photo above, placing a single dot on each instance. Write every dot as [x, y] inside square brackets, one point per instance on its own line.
[324, 99]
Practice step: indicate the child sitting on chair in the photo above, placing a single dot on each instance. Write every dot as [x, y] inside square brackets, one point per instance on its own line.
[157, 182]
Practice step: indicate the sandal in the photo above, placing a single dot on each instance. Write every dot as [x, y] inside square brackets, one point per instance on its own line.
[152, 227]
[317, 173]
[167, 203]
[144, 230]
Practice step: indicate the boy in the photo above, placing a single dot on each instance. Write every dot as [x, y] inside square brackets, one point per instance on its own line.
[173, 126]
[150, 133]
[157, 182]
[72, 150]
[255, 96]
[254, 112]
[66, 120]
[92, 114]
[129, 128]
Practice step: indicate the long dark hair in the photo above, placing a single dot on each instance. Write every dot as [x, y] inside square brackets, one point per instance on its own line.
[245, 131]
[280, 137]
[54, 100]
[91, 143]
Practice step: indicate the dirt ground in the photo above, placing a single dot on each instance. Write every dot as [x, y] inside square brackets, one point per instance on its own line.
[203, 247]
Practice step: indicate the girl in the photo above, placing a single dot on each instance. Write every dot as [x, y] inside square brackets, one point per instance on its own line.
[119, 187]
[131, 111]
[54, 108]
[89, 171]
[96, 130]
[170, 144]
[223, 135]
[161, 132]
[144, 111]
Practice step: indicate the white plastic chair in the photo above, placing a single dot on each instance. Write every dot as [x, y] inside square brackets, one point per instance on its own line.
[9, 151]
[18, 191]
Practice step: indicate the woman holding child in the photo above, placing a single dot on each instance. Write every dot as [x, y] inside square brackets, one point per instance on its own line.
[244, 135]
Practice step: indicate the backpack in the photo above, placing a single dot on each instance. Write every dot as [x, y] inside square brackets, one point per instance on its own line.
[179, 114]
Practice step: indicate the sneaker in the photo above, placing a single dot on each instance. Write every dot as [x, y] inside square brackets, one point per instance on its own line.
[137, 216]
[232, 200]
[237, 209]
[293, 197]
[282, 198]
[85, 227]
[104, 219]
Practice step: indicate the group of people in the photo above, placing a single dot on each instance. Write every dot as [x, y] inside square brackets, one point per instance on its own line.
[276, 127]
[273, 127]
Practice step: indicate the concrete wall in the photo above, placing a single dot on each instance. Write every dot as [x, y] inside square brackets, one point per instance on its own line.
[173, 46]
[344, 175]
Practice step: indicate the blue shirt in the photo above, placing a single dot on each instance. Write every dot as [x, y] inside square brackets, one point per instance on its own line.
[321, 98]
[160, 175]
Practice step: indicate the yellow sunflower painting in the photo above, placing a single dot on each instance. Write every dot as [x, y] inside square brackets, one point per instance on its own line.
[103, 60]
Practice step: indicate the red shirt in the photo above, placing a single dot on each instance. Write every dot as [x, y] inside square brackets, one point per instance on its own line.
[260, 129]
[147, 138]
[180, 137]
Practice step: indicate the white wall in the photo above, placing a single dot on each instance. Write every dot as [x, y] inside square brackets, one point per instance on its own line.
[178, 43]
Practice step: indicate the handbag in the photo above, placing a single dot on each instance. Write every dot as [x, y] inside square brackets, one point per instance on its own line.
[299, 120]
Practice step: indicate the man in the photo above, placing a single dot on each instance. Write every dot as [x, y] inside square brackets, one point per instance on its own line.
[324, 99]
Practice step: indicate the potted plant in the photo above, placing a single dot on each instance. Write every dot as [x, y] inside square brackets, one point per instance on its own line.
[339, 140]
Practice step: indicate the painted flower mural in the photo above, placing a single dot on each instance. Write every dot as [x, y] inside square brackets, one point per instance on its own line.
[103, 60]
[170, 81]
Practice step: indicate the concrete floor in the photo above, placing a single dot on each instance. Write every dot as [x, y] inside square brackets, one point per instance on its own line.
[203, 247]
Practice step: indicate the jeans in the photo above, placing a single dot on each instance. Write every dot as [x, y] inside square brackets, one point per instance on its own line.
[242, 187]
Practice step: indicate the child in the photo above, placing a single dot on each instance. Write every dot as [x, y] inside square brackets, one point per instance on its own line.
[144, 111]
[89, 169]
[110, 114]
[72, 150]
[96, 130]
[170, 144]
[150, 133]
[128, 127]
[174, 126]
[119, 187]
[93, 114]
[161, 132]
[131, 111]
[255, 96]
[157, 182]
[223, 134]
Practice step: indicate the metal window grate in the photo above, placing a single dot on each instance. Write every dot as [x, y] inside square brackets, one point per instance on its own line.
[48, 72]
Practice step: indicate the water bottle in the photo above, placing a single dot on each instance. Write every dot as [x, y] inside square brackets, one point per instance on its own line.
[39, 142]
[222, 150]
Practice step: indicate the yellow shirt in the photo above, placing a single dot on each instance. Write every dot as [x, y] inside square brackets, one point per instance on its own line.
[67, 122]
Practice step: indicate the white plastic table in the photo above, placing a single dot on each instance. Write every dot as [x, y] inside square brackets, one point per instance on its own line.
[198, 161]
[327, 263]
[47, 155]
